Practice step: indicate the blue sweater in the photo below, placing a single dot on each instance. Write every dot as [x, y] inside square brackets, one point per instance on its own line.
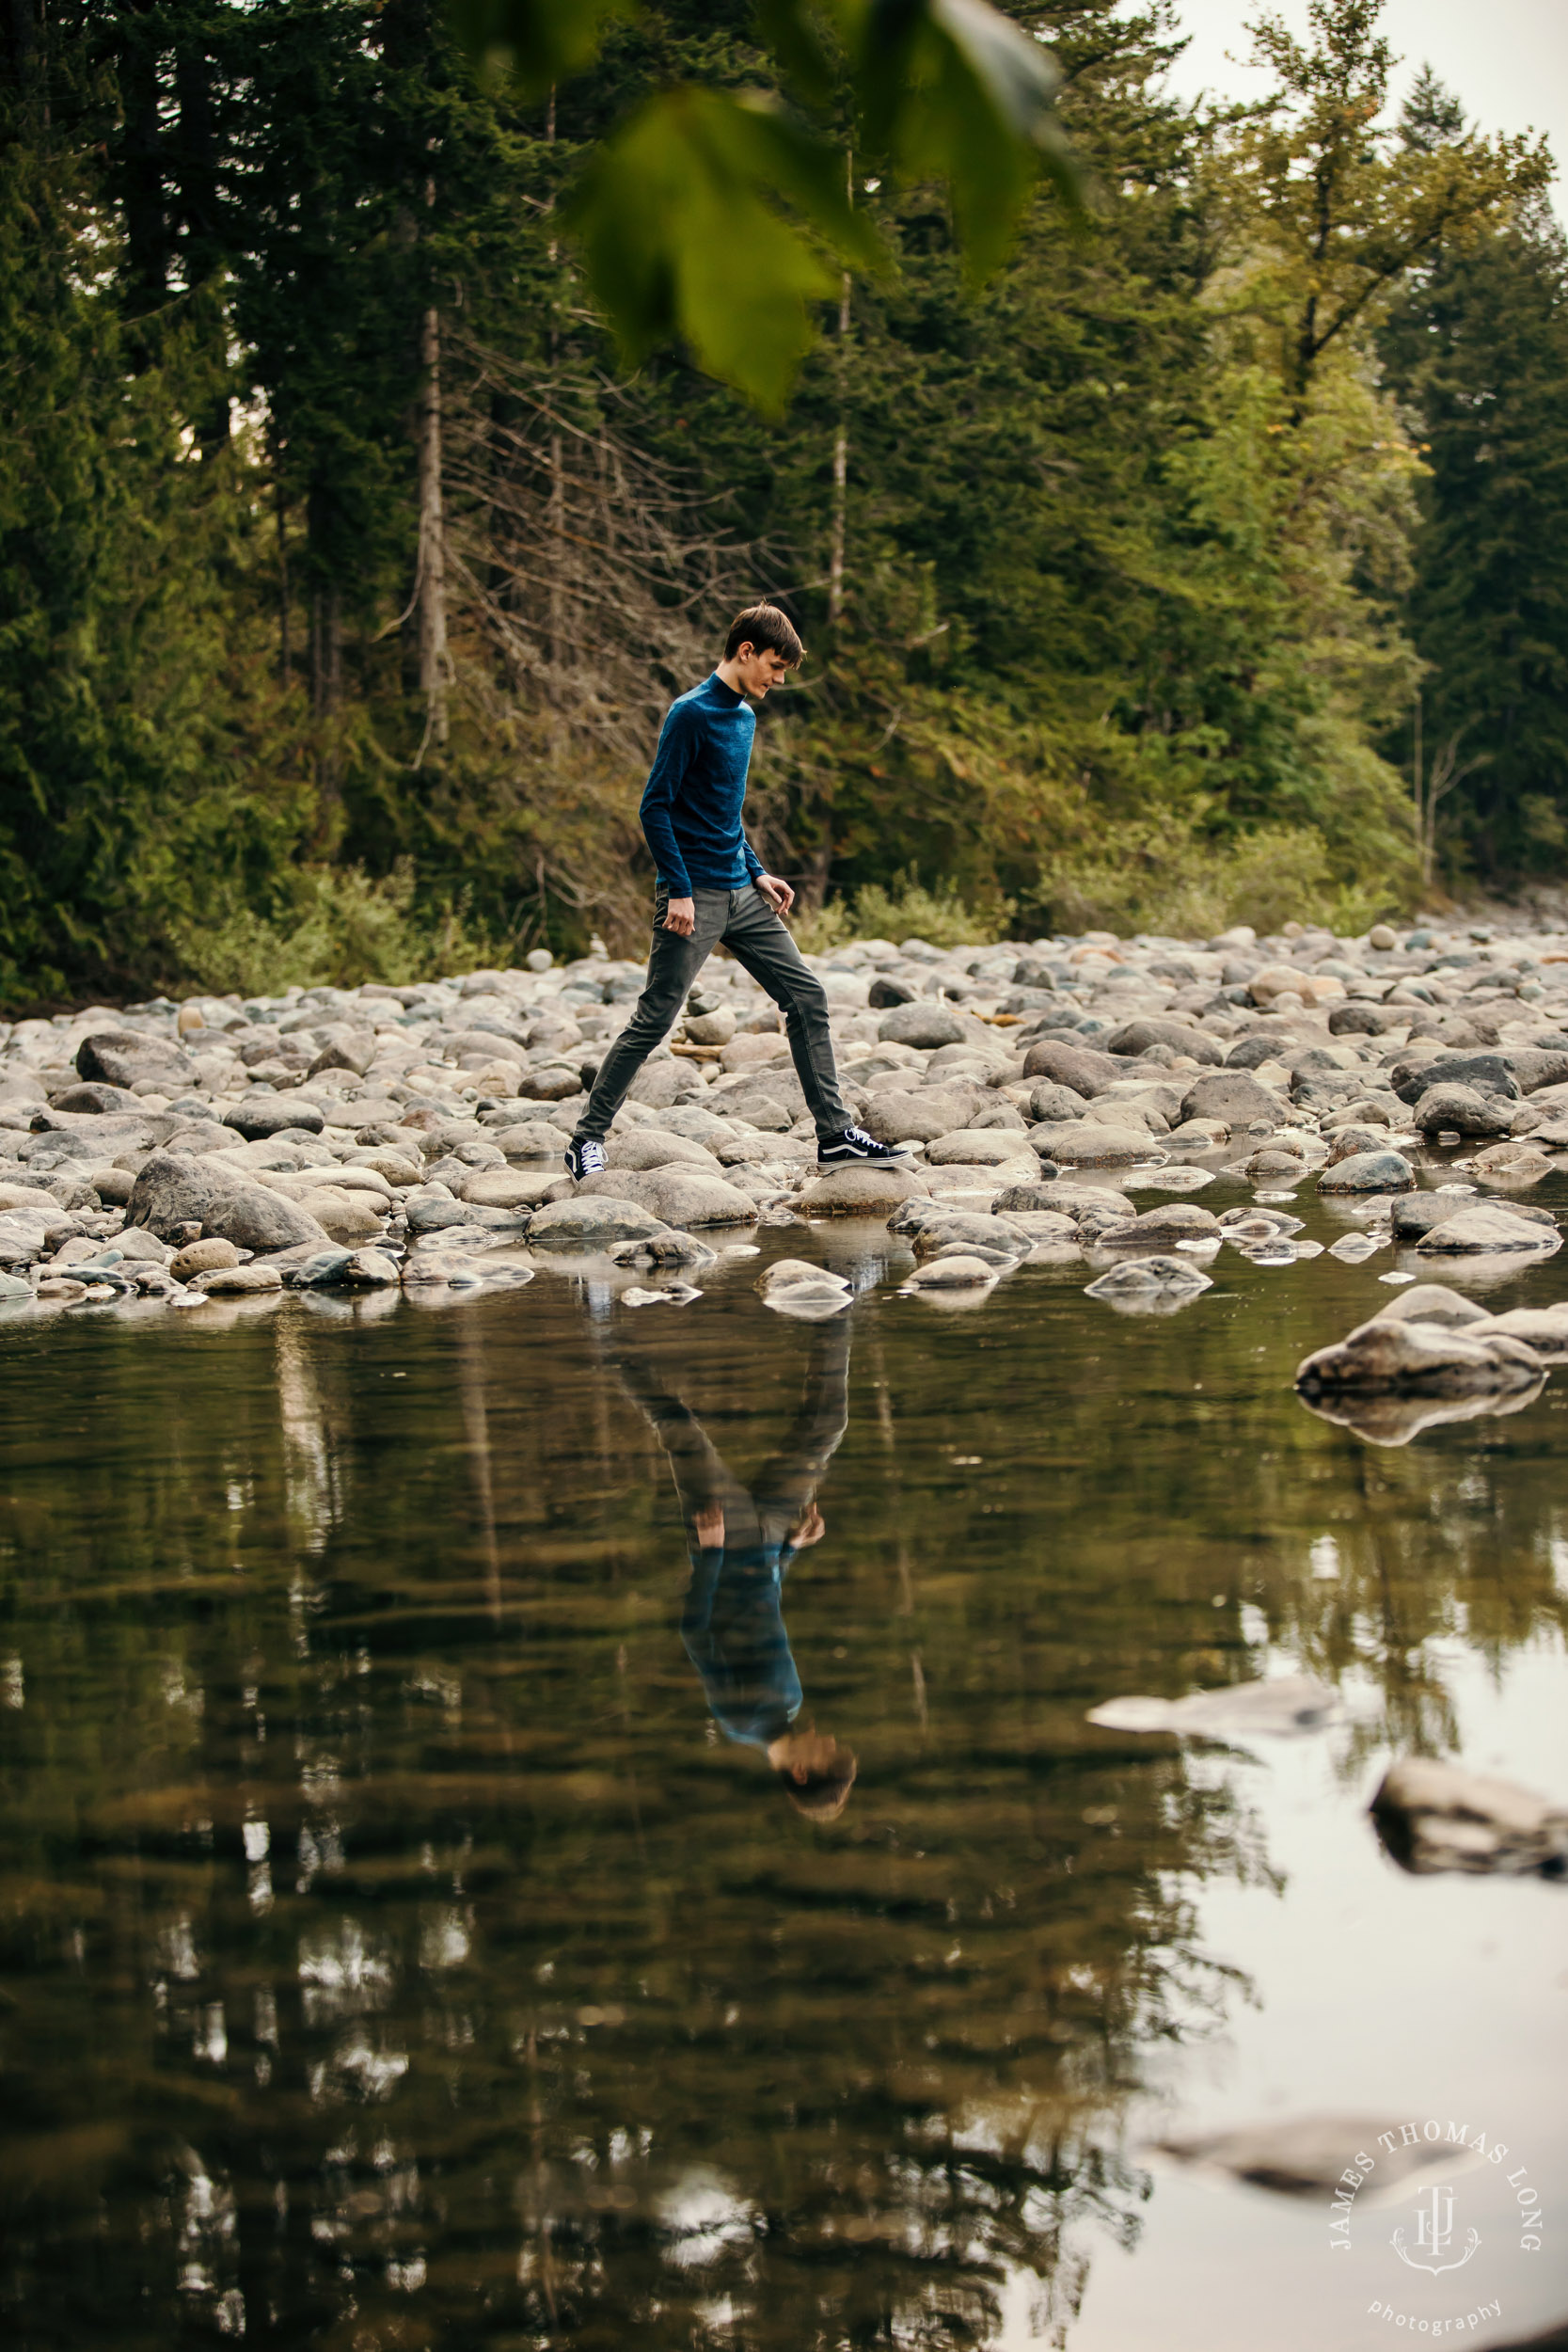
[733, 1630]
[693, 800]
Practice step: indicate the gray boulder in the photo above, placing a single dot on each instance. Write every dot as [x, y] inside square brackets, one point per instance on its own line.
[1136, 1037]
[263, 1115]
[662, 1250]
[586, 1220]
[1038, 1193]
[1079, 1067]
[917, 1114]
[862, 1191]
[1489, 1073]
[1052, 1103]
[1487, 1226]
[686, 1196]
[94, 1097]
[1462, 1109]
[958, 1270]
[988, 1236]
[1432, 1302]
[171, 1192]
[981, 1147]
[1168, 1222]
[1139, 1278]
[433, 1209]
[927, 1023]
[1233, 1096]
[1425, 1359]
[1420, 1211]
[349, 1049]
[1088, 1143]
[125, 1057]
[642, 1147]
[1543, 1328]
[1370, 1172]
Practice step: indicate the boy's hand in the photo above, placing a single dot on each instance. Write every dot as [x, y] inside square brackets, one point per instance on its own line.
[777, 892]
[681, 915]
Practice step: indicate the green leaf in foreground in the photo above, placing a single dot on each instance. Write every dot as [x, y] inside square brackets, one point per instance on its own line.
[951, 89]
[531, 43]
[678, 218]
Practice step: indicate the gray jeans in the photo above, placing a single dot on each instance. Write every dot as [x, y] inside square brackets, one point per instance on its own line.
[748, 927]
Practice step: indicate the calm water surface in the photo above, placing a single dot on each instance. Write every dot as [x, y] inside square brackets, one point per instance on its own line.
[396, 1949]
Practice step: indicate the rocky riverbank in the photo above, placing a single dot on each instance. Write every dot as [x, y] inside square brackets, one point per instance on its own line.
[376, 1138]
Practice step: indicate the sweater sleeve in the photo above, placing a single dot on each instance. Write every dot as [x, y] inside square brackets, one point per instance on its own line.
[677, 740]
[754, 863]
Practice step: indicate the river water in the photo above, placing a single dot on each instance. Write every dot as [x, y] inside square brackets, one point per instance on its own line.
[395, 1951]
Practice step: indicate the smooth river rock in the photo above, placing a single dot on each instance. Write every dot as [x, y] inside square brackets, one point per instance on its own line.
[1431, 1359]
[1433, 1815]
[686, 1197]
[862, 1191]
[170, 1193]
[1370, 1172]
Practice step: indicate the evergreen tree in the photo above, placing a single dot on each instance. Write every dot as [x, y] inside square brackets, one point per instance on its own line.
[1480, 351]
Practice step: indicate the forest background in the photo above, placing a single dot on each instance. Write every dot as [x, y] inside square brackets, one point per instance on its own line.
[1208, 561]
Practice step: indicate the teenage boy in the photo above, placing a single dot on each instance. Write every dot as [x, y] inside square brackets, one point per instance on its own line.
[711, 888]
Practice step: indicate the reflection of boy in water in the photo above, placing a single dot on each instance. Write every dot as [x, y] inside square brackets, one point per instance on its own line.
[742, 1542]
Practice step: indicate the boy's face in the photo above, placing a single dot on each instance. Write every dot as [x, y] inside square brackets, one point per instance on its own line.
[759, 672]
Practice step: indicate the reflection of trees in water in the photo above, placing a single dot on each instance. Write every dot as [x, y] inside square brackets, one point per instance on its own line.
[391, 1953]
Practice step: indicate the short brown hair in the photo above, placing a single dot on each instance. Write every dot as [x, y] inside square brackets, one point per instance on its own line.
[767, 629]
[822, 1796]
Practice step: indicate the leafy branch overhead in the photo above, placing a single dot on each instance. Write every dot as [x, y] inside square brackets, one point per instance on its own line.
[718, 218]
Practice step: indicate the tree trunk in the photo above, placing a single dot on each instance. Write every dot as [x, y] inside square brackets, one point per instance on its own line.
[430, 587]
[841, 438]
[285, 666]
[194, 162]
[146, 219]
[841, 469]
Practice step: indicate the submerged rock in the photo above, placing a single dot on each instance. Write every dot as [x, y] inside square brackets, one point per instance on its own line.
[1171, 1221]
[588, 1219]
[1086, 1143]
[1543, 1328]
[1144, 1281]
[1490, 1227]
[1431, 1359]
[1436, 1815]
[1306, 2157]
[959, 1271]
[662, 1250]
[1521, 1163]
[1282, 1707]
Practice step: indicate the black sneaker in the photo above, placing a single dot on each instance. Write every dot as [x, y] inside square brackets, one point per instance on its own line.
[584, 1157]
[854, 1144]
